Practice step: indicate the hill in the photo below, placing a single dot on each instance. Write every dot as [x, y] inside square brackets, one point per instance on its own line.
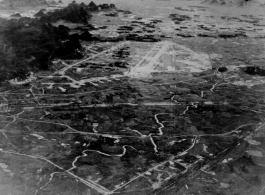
[29, 44]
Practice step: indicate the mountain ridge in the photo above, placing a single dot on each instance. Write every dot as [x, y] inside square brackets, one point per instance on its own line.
[235, 2]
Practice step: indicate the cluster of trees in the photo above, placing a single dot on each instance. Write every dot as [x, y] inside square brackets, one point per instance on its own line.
[10, 66]
[30, 44]
[77, 13]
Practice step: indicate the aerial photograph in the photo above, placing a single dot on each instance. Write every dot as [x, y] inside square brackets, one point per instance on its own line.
[132, 97]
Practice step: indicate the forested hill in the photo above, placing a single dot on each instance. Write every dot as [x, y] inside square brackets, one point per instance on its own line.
[29, 44]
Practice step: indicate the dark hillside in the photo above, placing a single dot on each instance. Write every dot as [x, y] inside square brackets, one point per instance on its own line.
[30, 44]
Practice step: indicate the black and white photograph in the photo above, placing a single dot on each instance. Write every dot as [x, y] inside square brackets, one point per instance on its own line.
[132, 97]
